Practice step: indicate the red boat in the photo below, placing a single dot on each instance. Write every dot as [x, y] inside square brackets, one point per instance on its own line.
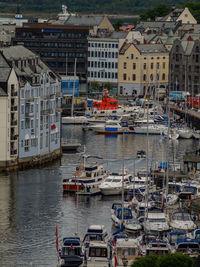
[107, 103]
[194, 102]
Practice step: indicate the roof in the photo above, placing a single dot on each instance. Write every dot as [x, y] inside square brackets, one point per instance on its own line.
[151, 48]
[156, 24]
[156, 215]
[2, 92]
[17, 52]
[84, 20]
[126, 242]
[5, 69]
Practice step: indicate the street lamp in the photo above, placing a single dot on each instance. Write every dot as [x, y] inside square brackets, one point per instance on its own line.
[125, 261]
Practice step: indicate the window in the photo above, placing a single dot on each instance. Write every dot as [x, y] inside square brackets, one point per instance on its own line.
[134, 77]
[22, 125]
[41, 141]
[163, 76]
[151, 65]
[124, 76]
[163, 65]
[134, 66]
[157, 65]
[132, 56]
[22, 143]
[125, 65]
[26, 145]
[144, 77]
[47, 139]
[144, 66]
[157, 77]
[22, 109]
[151, 77]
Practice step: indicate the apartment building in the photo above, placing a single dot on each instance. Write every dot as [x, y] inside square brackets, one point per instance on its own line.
[142, 68]
[31, 98]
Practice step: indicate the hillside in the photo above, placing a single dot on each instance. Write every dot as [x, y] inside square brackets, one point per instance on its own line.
[86, 6]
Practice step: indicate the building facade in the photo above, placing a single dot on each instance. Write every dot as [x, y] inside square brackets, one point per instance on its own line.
[185, 66]
[142, 69]
[32, 96]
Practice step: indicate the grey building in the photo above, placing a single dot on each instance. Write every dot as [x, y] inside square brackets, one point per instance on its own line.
[184, 68]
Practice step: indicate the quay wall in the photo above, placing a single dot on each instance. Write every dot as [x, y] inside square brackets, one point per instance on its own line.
[30, 162]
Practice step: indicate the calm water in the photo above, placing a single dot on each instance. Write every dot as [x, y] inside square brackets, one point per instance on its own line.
[32, 203]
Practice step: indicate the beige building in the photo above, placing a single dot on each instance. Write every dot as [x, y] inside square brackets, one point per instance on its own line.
[180, 14]
[142, 66]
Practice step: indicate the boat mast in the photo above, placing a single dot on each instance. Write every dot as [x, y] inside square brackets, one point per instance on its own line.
[122, 179]
[72, 108]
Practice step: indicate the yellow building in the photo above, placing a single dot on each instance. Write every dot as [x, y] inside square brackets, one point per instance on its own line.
[142, 66]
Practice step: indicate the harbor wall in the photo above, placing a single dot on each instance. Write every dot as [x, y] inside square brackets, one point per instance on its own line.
[30, 162]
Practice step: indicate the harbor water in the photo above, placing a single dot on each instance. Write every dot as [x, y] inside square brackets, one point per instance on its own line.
[32, 202]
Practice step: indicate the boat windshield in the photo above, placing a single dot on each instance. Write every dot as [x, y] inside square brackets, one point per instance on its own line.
[116, 180]
[71, 251]
[98, 252]
[181, 217]
[108, 180]
[126, 251]
[174, 238]
[184, 246]
[156, 251]
[157, 220]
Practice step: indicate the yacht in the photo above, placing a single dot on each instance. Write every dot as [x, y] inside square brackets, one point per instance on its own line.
[182, 221]
[126, 251]
[132, 226]
[86, 179]
[112, 185]
[98, 254]
[188, 246]
[116, 216]
[71, 253]
[185, 133]
[111, 127]
[156, 222]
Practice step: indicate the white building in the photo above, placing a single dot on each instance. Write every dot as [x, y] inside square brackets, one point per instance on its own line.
[103, 57]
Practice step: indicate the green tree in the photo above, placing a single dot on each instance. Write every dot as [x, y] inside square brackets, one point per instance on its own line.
[147, 261]
[118, 24]
[159, 11]
[175, 260]
[94, 86]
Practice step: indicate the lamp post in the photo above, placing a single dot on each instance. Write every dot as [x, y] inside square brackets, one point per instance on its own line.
[125, 261]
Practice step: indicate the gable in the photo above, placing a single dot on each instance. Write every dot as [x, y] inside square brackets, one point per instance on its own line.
[186, 17]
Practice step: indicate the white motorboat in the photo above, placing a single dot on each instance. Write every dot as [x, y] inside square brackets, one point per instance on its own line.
[111, 127]
[185, 133]
[117, 215]
[182, 221]
[126, 251]
[173, 133]
[196, 134]
[74, 120]
[112, 185]
[152, 129]
[98, 254]
[156, 222]
[132, 226]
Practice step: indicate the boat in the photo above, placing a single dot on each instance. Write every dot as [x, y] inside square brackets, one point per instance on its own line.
[173, 237]
[71, 253]
[181, 221]
[112, 185]
[80, 120]
[117, 216]
[141, 154]
[143, 241]
[98, 254]
[156, 222]
[158, 247]
[188, 246]
[126, 251]
[196, 134]
[185, 133]
[132, 226]
[86, 179]
[111, 127]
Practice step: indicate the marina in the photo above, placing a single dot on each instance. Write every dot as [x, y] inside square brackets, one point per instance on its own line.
[72, 213]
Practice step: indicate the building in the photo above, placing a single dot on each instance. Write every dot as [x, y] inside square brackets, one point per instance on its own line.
[185, 66]
[180, 14]
[59, 42]
[103, 58]
[30, 99]
[142, 67]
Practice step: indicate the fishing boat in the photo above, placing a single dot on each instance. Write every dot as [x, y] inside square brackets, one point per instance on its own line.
[71, 253]
[181, 221]
[98, 254]
[112, 185]
[86, 179]
[126, 251]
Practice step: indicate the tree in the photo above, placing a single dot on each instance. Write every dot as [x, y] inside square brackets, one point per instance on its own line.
[175, 260]
[118, 24]
[167, 260]
[159, 11]
[147, 261]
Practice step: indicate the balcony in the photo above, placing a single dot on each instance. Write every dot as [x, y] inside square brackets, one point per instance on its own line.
[30, 99]
[32, 131]
[13, 152]
[29, 114]
[14, 108]
[14, 93]
[13, 138]
[47, 111]
[13, 122]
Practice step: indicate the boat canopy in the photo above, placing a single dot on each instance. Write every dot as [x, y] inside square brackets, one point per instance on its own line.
[70, 241]
[127, 213]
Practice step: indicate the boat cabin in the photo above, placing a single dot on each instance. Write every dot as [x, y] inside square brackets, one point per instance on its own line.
[173, 237]
[98, 254]
[188, 246]
[127, 213]
[158, 247]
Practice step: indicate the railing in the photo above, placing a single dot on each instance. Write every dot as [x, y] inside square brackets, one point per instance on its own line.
[47, 111]
[13, 108]
[13, 122]
[13, 137]
[29, 114]
[14, 93]
[13, 151]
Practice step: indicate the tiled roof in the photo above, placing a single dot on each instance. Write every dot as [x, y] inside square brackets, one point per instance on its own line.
[84, 20]
[151, 48]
